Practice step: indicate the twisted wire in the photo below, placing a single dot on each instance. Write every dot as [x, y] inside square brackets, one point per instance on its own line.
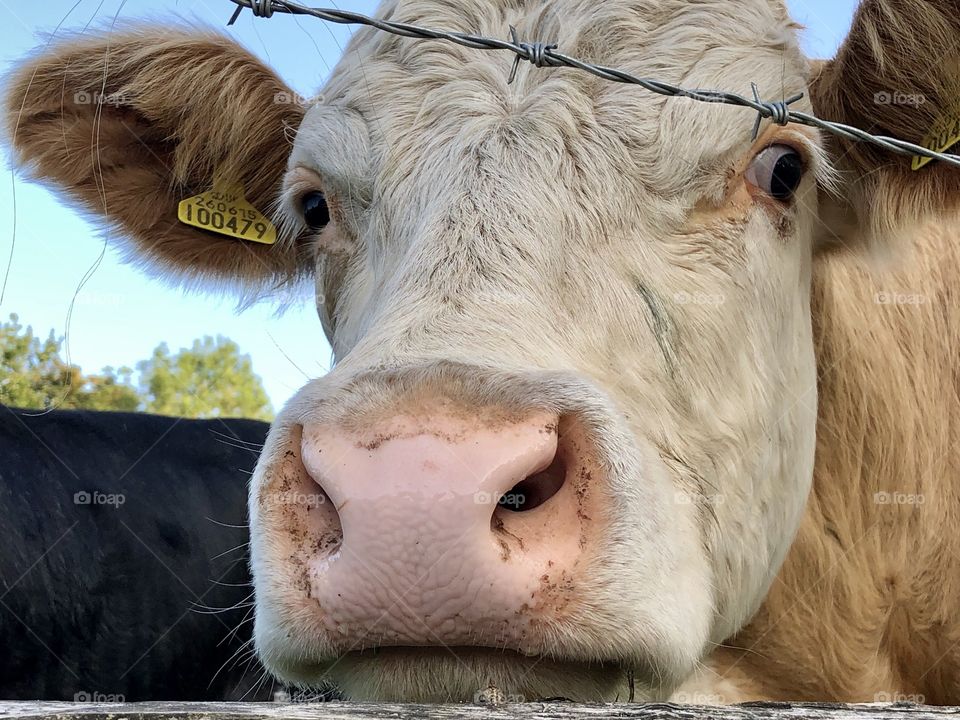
[542, 54]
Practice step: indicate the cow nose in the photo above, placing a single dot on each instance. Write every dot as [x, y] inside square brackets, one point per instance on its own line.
[421, 470]
[455, 529]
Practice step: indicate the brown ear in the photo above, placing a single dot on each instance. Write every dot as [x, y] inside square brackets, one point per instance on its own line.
[131, 122]
[896, 74]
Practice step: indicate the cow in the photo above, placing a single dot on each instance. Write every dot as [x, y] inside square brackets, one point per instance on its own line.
[124, 566]
[600, 353]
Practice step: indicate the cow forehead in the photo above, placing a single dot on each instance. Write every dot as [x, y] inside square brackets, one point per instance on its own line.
[420, 98]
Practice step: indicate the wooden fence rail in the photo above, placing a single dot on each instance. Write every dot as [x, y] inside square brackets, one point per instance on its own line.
[529, 711]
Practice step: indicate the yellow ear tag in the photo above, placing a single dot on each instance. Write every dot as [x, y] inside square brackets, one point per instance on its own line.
[943, 136]
[225, 211]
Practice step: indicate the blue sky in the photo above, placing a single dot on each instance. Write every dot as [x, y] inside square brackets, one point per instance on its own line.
[118, 316]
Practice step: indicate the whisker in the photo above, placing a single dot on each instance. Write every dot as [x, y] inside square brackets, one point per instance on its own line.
[233, 549]
[227, 525]
[233, 439]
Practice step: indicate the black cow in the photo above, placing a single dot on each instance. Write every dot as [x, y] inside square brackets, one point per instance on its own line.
[121, 534]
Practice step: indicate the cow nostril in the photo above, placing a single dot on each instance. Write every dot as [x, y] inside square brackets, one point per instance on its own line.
[323, 519]
[310, 510]
[535, 490]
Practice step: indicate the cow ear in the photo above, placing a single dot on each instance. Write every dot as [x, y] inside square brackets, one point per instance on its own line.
[130, 123]
[896, 74]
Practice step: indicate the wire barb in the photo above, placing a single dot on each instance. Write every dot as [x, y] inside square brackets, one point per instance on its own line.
[544, 55]
[778, 112]
[260, 8]
[537, 53]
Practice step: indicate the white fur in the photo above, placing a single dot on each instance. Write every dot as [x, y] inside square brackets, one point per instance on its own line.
[576, 240]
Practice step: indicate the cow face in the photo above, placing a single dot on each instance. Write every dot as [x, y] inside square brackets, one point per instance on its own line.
[570, 430]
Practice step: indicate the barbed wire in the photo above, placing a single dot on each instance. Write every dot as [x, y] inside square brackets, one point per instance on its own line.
[543, 54]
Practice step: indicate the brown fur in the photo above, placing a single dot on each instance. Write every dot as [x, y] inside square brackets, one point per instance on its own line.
[187, 104]
[866, 601]
[894, 46]
[864, 608]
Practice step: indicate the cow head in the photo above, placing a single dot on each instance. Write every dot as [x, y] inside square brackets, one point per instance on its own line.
[569, 434]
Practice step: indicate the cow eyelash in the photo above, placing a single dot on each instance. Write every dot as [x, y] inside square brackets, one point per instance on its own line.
[816, 163]
[315, 211]
[298, 187]
[777, 171]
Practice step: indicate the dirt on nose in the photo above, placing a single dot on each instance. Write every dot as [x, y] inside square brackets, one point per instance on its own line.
[298, 515]
[451, 564]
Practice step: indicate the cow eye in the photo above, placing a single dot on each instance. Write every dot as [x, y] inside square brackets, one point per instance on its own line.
[315, 211]
[777, 171]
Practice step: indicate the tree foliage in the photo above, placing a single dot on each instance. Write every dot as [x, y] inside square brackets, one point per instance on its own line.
[210, 379]
[34, 375]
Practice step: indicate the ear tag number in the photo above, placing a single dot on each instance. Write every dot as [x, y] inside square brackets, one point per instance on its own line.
[942, 136]
[225, 211]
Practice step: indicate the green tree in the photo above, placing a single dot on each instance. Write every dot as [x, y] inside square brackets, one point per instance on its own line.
[112, 390]
[210, 379]
[34, 375]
